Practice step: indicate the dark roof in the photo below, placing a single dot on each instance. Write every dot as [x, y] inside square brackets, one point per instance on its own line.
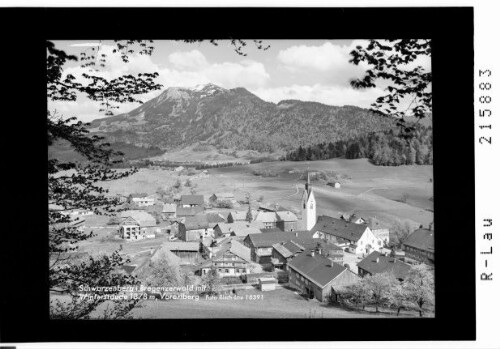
[214, 217]
[317, 268]
[282, 250]
[269, 239]
[192, 200]
[196, 222]
[292, 246]
[138, 195]
[339, 228]
[188, 211]
[423, 239]
[384, 264]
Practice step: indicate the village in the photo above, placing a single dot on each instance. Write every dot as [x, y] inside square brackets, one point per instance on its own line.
[252, 247]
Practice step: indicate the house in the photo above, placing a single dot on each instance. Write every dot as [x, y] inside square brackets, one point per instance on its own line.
[283, 252]
[269, 219]
[191, 201]
[231, 260]
[261, 245]
[141, 199]
[238, 229]
[308, 206]
[210, 246]
[137, 225]
[352, 218]
[187, 211]
[382, 234]
[188, 252]
[287, 221]
[359, 236]
[168, 210]
[419, 245]
[239, 216]
[376, 263]
[195, 227]
[318, 277]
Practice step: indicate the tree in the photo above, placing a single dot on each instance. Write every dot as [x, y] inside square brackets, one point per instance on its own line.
[398, 297]
[212, 282]
[163, 271]
[420, 287]
[380, 286]
[400, 231]
[389, 61]
[358, 293]
[249, 217]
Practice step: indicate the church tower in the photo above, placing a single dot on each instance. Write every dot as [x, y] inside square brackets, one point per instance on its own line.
[308, 206]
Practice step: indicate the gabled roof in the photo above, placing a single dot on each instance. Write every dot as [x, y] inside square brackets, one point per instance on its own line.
[270, 230]
[293, 246]
[318, 269]
[214, 217]
[138, 195]
[376, 263]
[269, 239]
[339, 228]
[197, 222]
[266, 217]
[222, 196]
[192, 200]
[286, 216]
[271, 207]
[282, 250]
[143, 218]
[240, 250]
[240, 228]
[188, 211]
[422, 239]
[181, 246]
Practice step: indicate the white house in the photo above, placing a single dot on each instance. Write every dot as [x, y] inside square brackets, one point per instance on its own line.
[137, 225]
[142, 200]
[359, 236]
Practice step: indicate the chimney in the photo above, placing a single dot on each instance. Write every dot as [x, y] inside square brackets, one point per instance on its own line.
[312, 253]
[377, 260]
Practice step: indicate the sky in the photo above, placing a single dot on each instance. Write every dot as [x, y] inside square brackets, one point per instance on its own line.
[308, 70]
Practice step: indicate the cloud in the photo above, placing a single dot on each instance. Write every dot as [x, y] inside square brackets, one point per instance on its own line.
[330, 95]
[188, 60]
[329, 63]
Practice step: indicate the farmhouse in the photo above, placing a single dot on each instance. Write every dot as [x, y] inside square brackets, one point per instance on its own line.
[141, 199]
[269, 219]
[188, 252]
[238, 229]
[318, 277]
[376, 263]
[137, 225]
[261, 245]
[287, 221]
[359, 236]
[191, 201]
[222, 197]
[231, 260]
[419, 245]
[194, 228]
[168, 211]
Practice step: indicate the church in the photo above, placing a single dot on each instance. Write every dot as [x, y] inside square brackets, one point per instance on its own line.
[308, 206]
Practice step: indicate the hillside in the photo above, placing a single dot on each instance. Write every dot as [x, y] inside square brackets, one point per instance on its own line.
[234, 119]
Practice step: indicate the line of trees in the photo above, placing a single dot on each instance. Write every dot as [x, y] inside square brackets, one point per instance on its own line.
[383, 290]
[382, 148]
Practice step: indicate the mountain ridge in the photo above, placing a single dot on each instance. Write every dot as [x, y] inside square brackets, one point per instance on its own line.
[234, 118]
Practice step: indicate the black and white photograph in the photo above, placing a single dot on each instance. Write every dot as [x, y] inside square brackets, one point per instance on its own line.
[240, 179]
